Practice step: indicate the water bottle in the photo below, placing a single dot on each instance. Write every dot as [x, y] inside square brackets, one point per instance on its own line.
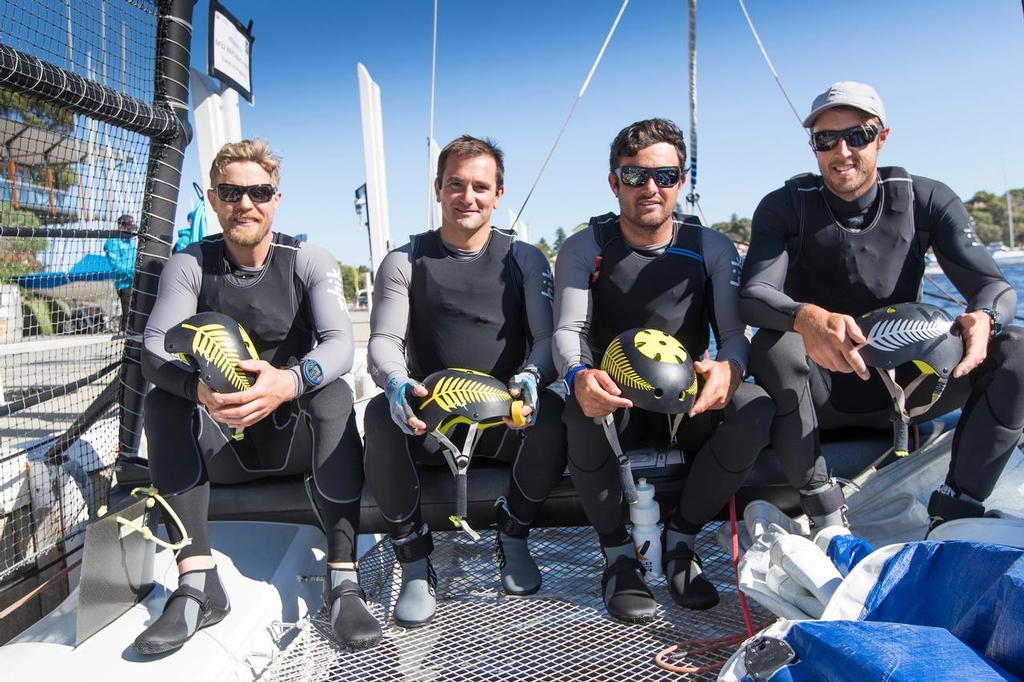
[645, 515]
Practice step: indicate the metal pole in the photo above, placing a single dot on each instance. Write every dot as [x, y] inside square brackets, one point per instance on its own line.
[156, 231]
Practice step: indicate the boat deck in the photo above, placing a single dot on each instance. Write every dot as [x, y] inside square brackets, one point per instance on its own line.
[479, 633]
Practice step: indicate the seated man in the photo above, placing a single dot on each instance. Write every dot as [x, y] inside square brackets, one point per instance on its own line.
[827, 248]
[298, 416]
[649, 268]
[465, 296]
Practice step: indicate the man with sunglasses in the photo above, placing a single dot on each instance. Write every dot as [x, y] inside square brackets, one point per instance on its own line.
[467, 295]
[827, 248]
[297, 417]
[649, 267]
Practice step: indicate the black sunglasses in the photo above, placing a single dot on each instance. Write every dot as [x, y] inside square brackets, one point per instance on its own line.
[636, 176]
[260, 194]
[857, 136]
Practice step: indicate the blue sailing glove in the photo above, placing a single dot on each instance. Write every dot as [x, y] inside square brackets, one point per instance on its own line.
[398, 391]
[525, 387]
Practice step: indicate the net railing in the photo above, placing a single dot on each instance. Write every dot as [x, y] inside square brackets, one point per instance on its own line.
[92, 94]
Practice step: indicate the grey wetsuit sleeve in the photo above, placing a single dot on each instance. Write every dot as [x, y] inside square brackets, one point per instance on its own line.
[763, 303]
[573, 305]
[538, 297]
[176, 300]
[317, 269]
[723, 267]
[962, 256]
[389, 319]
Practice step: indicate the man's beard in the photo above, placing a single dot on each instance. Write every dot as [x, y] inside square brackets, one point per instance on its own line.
[246, 238]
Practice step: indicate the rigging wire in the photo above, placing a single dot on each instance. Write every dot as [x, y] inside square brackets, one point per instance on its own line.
[767, 59]
[572, 110]
[693, 198]
[430, 131]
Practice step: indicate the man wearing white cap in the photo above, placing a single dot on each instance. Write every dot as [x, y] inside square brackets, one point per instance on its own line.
[827, 248]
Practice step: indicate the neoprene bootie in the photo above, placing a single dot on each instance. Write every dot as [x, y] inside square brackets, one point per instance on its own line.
[199, 602]
[519, 573]
[825, 505]
[416, 601]
[685, 572]
[625, 594]
[351, 620]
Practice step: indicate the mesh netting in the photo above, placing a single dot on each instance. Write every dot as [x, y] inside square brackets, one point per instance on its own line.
[561, 633]
[66, 269]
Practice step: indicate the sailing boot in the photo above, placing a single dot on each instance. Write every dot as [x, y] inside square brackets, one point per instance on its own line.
[825, 505]
[417, 599]
[946, 504]
[625, 594]
[519, 573]
[351, 620]
[685, 572]
[199, 602]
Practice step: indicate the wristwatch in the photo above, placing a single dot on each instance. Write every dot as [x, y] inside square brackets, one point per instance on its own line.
[997, 325]
[312, 373]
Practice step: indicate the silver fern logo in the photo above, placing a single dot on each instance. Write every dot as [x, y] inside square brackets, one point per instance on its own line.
[890, 335]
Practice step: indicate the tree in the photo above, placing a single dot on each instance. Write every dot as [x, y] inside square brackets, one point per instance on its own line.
[990, 217]
[581, 226]
[18, 255]
[559, 238]
[544, 248]
[737, 229]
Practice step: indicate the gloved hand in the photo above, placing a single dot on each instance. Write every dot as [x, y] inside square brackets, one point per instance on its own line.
[399, 389]
[525, 386]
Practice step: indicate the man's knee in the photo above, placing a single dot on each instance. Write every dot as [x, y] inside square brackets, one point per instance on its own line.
[776, 356]
[754, 411]
[333, 401]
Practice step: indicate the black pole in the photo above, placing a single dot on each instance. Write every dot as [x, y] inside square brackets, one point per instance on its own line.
[156, 232]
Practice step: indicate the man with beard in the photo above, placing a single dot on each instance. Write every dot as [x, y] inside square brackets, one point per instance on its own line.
[297, 416]
[650, 268]
[470, 296]
[827, 248]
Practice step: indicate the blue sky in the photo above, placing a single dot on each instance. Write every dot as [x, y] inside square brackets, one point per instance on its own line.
[949, 73]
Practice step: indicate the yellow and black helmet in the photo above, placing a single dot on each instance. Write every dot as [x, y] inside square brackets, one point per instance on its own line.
[213, 344]
[464, 396]
[652, 369]
[917, 335]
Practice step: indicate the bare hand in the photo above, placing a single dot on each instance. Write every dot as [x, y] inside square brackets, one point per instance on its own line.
[238, 410]
[596, 393]
[831, 340]
[975, 330]
[721, 379]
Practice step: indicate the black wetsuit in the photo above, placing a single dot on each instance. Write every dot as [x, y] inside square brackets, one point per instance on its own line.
[684, 287]
[436, 308]
[809, 246]
[289, 305]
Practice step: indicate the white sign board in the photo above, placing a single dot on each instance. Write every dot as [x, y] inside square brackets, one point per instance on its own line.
[230, 57]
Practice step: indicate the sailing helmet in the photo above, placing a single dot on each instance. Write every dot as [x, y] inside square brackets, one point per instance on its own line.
[213, 344]
[652, 369]
[914, 334]
[465, 396]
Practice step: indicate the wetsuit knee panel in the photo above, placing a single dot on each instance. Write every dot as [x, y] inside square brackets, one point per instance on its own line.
[778, 354]
[333, 401]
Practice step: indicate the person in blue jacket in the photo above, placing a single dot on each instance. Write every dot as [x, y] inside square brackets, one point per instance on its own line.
[120, 251]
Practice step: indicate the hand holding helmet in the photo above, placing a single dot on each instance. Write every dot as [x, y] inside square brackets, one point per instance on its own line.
[525, 386]
[400, 391]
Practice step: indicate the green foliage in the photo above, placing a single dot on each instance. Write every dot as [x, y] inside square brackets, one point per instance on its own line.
[991, 218]
[737, 229]
[581, 226]
[18, 254]
[37, 113]
[349, 281]
[559, 239]
[545, 248]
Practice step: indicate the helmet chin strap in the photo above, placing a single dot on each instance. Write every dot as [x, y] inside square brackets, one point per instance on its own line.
[900, 394]
[625, 471]
[458, 461]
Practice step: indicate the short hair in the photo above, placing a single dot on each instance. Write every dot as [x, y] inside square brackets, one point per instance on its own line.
[256, 151]
[643, 134]
[125, 219]
[467, 145]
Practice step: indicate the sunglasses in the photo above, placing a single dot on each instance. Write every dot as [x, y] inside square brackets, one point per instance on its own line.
[857, 136]
[636, 176]
[260, 194]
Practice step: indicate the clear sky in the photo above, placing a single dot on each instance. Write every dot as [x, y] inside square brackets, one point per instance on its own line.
[949, 73]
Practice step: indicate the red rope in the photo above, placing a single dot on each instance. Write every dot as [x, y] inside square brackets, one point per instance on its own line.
[696, 647]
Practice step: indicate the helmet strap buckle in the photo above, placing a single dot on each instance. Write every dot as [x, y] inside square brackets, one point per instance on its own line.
[458, 460]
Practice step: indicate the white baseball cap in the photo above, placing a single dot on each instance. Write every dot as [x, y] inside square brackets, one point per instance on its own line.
[847, 94]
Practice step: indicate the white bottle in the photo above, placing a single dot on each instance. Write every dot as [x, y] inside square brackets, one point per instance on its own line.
[645, 515]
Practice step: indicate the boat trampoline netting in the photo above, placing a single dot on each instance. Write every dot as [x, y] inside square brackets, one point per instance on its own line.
[479, 634]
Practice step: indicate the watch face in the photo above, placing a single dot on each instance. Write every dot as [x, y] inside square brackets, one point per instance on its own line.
[312, 372]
